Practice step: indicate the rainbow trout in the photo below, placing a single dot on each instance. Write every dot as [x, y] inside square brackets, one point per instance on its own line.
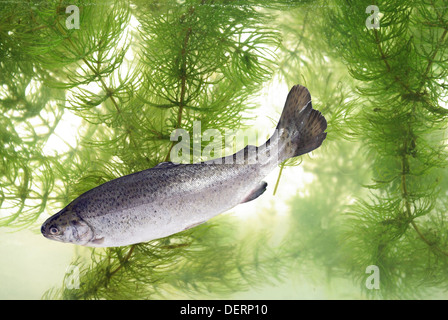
[170, 198]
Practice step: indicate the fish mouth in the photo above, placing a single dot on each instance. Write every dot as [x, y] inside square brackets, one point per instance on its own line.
[55, 221]
[45, 229]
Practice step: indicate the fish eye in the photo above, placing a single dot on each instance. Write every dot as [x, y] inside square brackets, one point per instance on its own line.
[54, 230]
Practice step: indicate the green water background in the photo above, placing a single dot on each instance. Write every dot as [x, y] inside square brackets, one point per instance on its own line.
[311, 210]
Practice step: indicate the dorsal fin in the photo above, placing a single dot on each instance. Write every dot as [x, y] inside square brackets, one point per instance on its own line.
[166, 164]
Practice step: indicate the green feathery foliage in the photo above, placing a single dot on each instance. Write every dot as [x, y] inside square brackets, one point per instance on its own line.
[132, 87]
[401, 68]
[392, 109]
[136, 71]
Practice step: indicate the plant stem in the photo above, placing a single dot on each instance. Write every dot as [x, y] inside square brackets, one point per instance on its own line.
[95, 71]
[182, 87]
[404, 160]
[179, 121]
[278, 178]
[405, 196]
[126, 259]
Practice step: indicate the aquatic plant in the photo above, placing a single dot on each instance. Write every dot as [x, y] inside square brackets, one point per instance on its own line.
[401, 68]
[135, 71]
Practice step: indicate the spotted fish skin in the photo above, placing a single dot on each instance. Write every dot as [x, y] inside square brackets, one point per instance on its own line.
[170, 198]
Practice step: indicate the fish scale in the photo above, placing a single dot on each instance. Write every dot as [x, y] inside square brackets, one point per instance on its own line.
[170, 198]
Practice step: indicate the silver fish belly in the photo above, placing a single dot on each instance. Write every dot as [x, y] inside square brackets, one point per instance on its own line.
[170, 198]
[158, 202]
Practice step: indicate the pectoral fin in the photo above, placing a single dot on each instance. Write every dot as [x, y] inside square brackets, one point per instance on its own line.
[98, 241]
[255, 193]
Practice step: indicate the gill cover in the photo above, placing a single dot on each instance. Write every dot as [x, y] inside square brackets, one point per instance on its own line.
[67, 227]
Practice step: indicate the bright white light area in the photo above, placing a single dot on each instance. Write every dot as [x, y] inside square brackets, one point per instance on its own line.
[65, 135]
[32, 88]
[443, 100]
[293, 180]
[270, 101]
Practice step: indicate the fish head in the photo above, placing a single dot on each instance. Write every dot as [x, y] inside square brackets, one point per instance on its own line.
[66, 226]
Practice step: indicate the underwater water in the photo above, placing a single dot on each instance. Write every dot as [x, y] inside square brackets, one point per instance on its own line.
[93, 90]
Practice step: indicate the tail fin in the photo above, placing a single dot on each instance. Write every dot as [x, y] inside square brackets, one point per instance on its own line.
[303, 126]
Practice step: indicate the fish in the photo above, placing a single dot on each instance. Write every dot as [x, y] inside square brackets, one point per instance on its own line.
[172, 197]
